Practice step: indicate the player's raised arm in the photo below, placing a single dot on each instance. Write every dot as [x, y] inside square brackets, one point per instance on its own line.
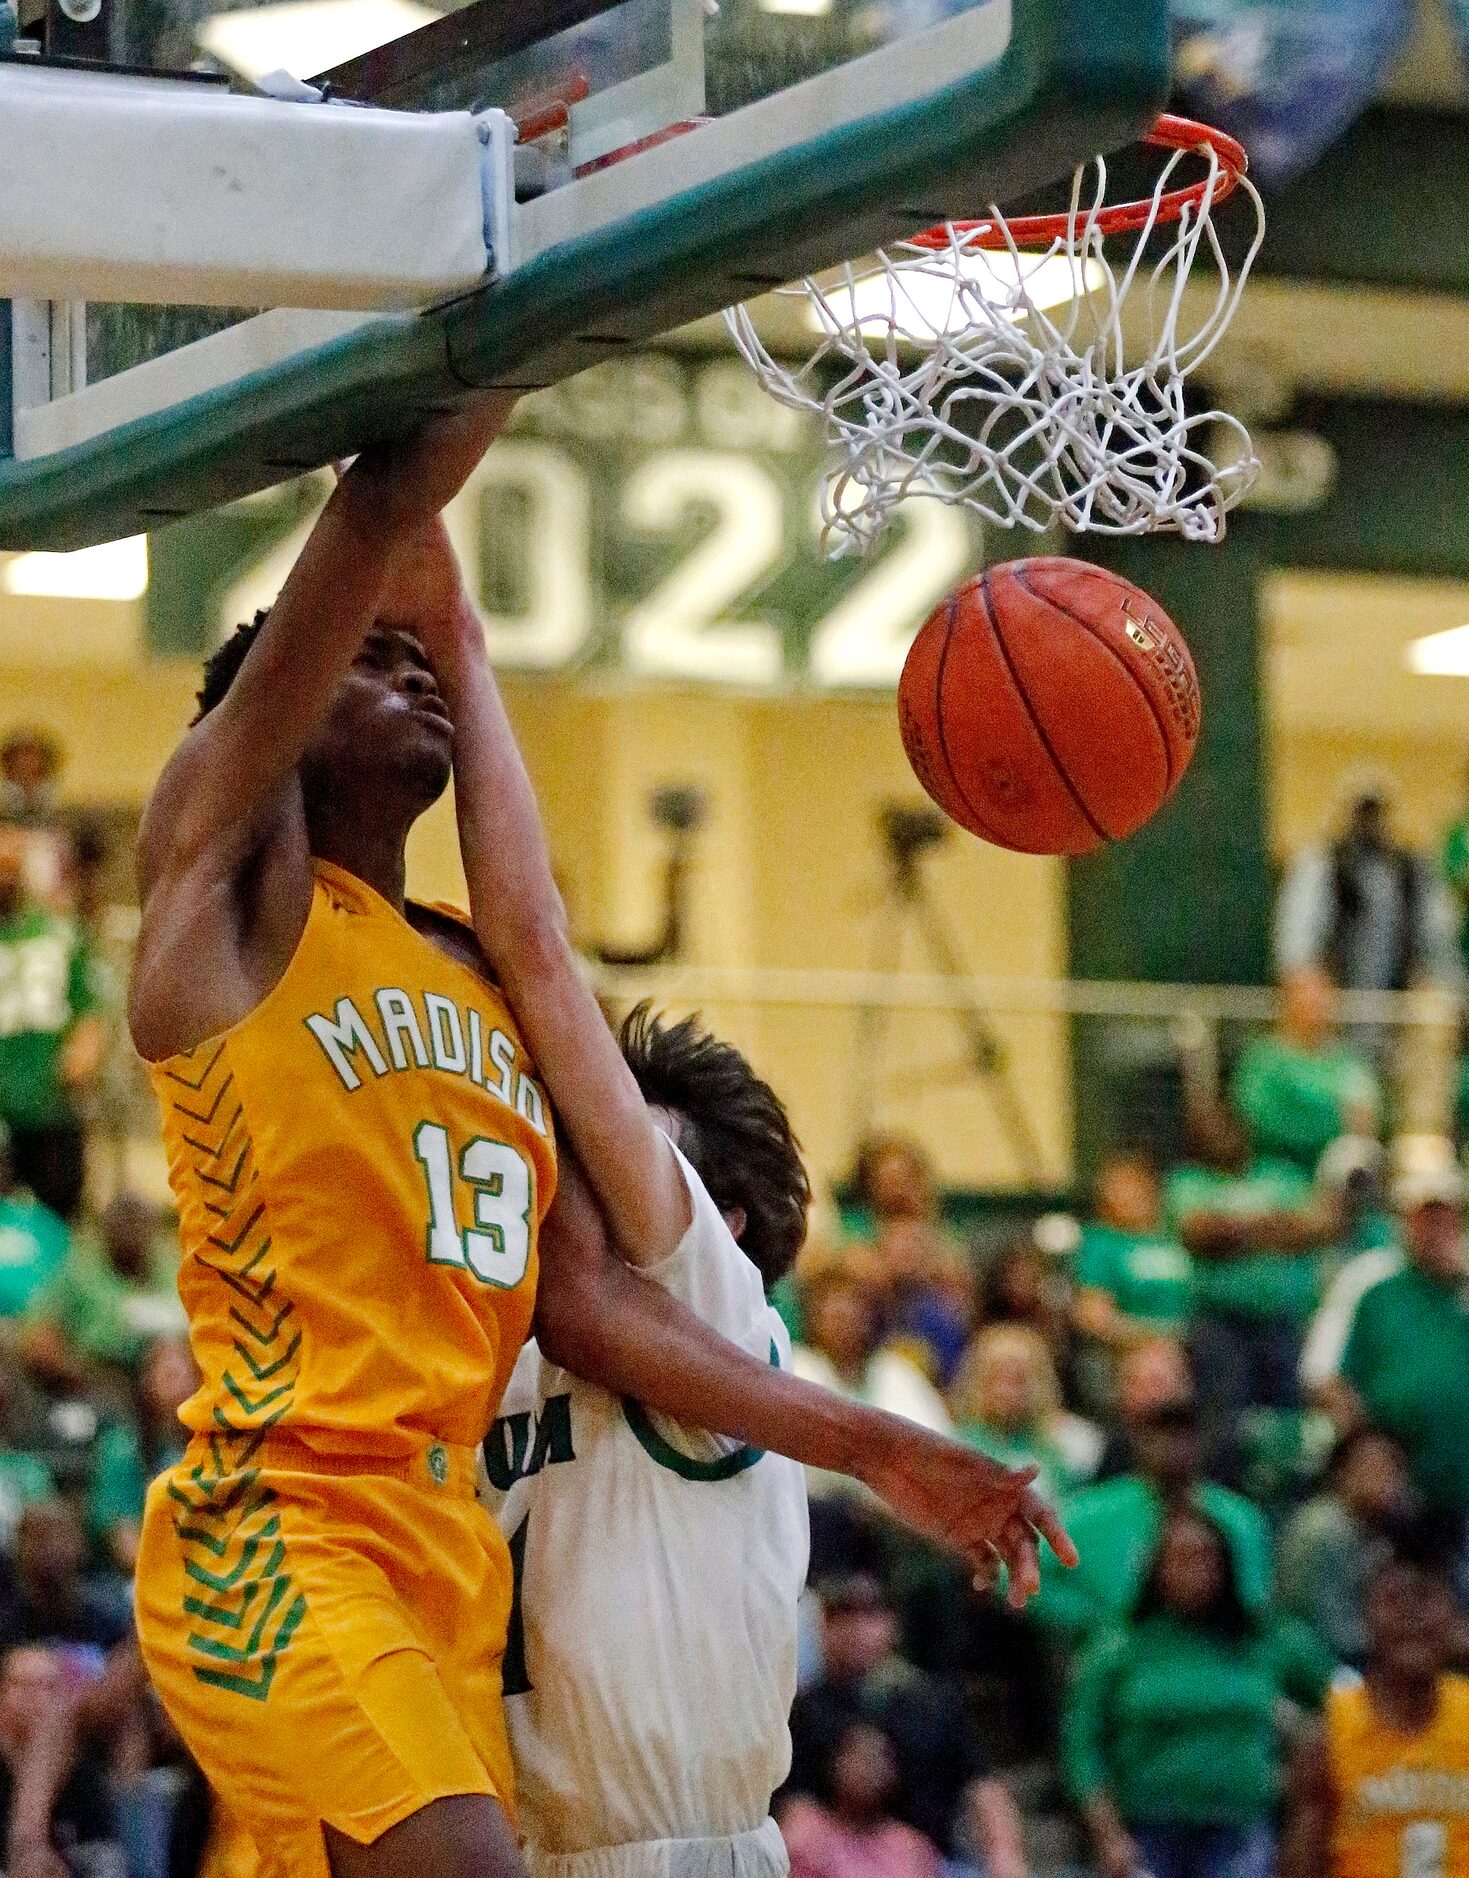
[520, 922]
[231, 767]
[599, 1318]
[224, 853]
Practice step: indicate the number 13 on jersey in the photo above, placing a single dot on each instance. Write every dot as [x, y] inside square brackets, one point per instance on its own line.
[496, 1249]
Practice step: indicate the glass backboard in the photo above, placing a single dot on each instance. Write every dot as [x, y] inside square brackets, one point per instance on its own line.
[676, 156]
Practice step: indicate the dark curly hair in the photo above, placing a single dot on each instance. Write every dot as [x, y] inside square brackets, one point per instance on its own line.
[1228, 1615]
[735, 1131]
[1429, 1540]
[222, 666]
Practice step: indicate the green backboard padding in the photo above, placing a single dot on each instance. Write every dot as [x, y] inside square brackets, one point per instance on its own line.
[1080, 76]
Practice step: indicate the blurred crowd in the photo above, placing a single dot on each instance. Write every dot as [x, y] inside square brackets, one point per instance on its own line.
[1241, 1375]
[94, 1366]
[1244, 1377]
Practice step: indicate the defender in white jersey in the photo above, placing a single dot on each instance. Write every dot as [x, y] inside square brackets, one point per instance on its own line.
[609, 1766]
[652, 1657]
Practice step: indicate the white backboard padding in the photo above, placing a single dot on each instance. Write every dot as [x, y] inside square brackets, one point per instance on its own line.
[120, 188]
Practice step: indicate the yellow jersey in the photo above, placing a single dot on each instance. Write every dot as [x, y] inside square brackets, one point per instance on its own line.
[361, 1166]
[1402, 1800]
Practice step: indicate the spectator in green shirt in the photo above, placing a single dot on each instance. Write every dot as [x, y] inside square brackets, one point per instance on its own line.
[1334, 1543]
[24, 1481]
[33, 1240]
[1405, 1368]
[1117, 1525]
[1171, 1743]
[1255, 1228]
[1152, 1375]
[1298, 1088]
[117, 1291]
[1007, 1403]
[52, 1039]
[1133, 1280]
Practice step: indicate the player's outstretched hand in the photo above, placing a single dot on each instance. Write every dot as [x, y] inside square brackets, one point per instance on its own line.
[410, 481]
[961, 1500]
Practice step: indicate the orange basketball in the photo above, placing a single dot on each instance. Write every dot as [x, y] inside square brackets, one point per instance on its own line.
[1049, 706]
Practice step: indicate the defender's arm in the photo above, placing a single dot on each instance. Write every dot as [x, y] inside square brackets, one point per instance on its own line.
[595, 1316]
[520, 921]
[600, 1319]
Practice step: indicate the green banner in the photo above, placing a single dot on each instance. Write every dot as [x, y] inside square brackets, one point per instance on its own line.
[658, 516]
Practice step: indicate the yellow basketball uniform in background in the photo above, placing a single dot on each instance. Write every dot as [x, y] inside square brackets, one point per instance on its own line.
[1402, 1805]
[360, 1166]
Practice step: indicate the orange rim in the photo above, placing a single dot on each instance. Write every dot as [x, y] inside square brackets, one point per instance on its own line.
[1042, 231]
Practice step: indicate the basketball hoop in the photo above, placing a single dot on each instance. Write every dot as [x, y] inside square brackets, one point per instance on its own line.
[1014, 367]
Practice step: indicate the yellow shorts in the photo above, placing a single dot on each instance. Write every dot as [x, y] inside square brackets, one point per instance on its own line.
[326, 1636]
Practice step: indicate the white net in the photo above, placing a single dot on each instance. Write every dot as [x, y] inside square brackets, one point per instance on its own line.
[1032, 383]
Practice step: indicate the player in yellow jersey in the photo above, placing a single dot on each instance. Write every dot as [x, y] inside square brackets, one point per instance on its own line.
[363, 1160]
[1381, 1788]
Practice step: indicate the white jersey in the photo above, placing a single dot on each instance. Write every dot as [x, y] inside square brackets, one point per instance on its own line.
[652, 1655]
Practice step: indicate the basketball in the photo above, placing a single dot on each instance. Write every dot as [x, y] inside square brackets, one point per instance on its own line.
[1049, 706]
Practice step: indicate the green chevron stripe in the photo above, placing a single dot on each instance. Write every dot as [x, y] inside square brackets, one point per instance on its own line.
[226, 1581]
[230, 1536]
[254, 1294]
[233, 1245]
[257, 1688]
[253, 1330]
[254, 1407]
[254, 1259]
[228, 1617]
[215, 1149]
[260, 1429]
[227, 1186]
[174, 1076]
[250, 1649]
[205, 1116]
[263, 1372]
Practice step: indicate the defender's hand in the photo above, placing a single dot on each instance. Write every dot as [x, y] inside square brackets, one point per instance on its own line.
[990, 1515]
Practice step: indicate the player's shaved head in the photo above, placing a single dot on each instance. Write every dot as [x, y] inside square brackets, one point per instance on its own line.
[733, 1128]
